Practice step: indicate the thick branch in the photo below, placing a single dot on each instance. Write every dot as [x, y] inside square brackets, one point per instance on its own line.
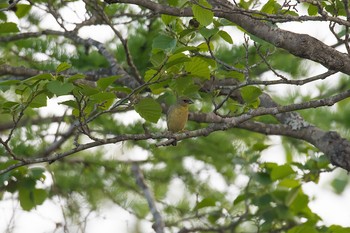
[22, 73]
[336, 148]
[300, 45]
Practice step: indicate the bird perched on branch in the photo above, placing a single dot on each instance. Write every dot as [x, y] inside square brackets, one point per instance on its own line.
[177, 115]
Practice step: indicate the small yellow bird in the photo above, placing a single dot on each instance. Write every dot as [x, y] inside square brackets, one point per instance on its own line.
[177, 115]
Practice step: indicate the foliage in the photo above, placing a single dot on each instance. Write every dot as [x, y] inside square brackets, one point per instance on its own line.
[212, 51]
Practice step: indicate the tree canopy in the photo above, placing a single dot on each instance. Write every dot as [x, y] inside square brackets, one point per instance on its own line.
[114, 67]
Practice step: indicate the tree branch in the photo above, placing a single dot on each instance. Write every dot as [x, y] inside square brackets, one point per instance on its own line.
[300, 45]
[339, 154]
[140, 181]
[11, 6]
[115, 67]
[9, 125]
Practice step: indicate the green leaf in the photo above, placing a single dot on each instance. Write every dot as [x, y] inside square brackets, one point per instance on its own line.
[40, 196]
[224, 35]
[206, 202]
[149, 109]
[175, 59]
[260, 146]
[25, 199]
[87, 89]
[164, 42]
[198, 67]
[151, 75]
[45, 76]
[103, 83]
[10, 106]
[75, 77]
[207, 33]
[37, 173]
[281, 171]
[218, 23]
[312, 10]
[262, 201]
[190, 32]
[70, 103]
[31, 198]
[59, 88]
[3, 16]
[28, 183]
[271, 7]
[184, 86]
[167, 19]
[339, 184]
[250, 93]
[9, 82]
[203, 16]
[158, 88]
[185, 48]
[245, 4]
[214, 216]
[331, 9]
[104, 99]
[239, 199]
[292, 194]
[263, 178]
[22, 10]
[62, 67]
[203, 47]
[8, 27]
[122, 89]
[338, 229]
[299, 203]
[111, 9]
[140, 208]
[157, 59]
[323, 162]
[289, 183]
[303, 229]
[39, 101]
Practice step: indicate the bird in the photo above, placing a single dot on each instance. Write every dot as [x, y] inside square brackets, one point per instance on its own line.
[177, 115]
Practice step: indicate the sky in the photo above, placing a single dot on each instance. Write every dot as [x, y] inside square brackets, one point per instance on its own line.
[333, 208]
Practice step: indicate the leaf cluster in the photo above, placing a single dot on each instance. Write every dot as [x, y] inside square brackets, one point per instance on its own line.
[216, 182]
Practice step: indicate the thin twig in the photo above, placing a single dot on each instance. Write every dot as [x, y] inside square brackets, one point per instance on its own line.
[100, 12]
[274, 82]
[263, 57]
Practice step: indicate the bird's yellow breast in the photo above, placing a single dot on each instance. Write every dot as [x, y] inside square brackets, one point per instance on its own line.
[177, 118]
